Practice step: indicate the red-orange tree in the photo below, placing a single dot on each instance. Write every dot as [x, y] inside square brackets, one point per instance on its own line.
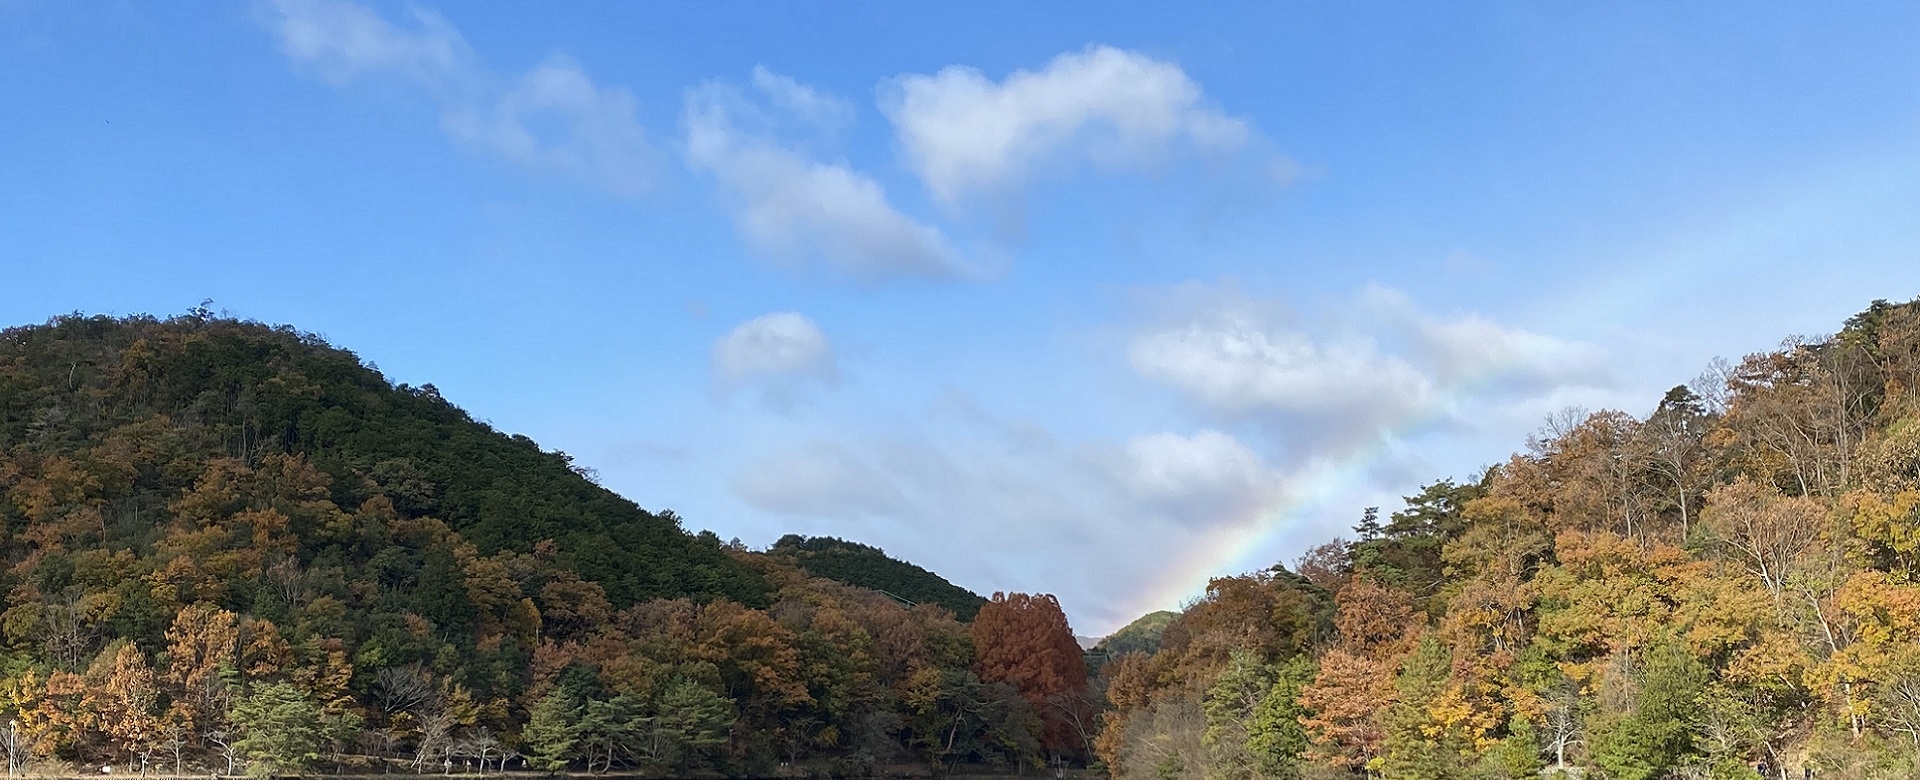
[1023, 640]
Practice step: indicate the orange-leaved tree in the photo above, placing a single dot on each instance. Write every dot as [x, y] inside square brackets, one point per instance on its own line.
[1024, 640]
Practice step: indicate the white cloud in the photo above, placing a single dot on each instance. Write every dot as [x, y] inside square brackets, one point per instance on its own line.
[1383, 366]
[1471, 347]
[778, 344]
[1362, 404]
[551, 118]
[779, 354]
[1199, 479]
[1235, 364]
[342, 41]
[964, 133]
[798, 208]
[595, 135]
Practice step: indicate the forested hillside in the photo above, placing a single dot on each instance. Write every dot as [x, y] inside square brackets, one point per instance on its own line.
[869, 567]
[230, 547]
[1727, 584]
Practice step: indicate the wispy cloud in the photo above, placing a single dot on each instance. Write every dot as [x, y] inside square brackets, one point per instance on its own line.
[552, 118]
[1233, 363]
[965, 134]
[823, 479]
[805, 104]
[1384, 365]
[795, 207]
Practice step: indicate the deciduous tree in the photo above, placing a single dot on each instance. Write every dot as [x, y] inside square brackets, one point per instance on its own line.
[1024, 640]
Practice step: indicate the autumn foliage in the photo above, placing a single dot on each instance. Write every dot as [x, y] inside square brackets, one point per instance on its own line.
[232, 548]
[1725, 585]
[1024, 641]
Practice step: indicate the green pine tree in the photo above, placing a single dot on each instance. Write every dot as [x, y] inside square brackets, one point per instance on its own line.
[1275, 737]
[1517, 755]
[1657, 734]
[549, 737]
[1229, 705]
[691, 721]
[1415, 749]
[281, 729]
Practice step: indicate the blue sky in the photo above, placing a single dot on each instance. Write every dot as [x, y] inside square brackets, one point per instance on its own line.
[1095, 299]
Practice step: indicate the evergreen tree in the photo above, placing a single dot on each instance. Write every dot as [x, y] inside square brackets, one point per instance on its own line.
[1275, 737]
[1657, 734]
[1417, 747]
[606, 727]
[1517, 755]
[1230, 705]
[280, 729]
[689, 723]
[549, 736]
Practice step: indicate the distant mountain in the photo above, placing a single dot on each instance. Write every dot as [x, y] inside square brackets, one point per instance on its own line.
[1140, 636]
[870, 567]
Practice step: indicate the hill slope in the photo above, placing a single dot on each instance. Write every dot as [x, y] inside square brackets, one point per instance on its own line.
[240, 545]
[202, 389]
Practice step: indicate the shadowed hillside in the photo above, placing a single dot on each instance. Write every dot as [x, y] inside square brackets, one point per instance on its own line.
[869, 567]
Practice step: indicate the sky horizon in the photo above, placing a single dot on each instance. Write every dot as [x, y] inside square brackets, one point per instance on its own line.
[1092, 300]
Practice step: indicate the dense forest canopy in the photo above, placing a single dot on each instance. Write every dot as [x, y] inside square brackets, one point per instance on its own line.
[141, 406]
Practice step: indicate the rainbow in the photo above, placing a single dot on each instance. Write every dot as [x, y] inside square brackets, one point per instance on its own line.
[1313, 490]
[1772, 225]
[1237, 546]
